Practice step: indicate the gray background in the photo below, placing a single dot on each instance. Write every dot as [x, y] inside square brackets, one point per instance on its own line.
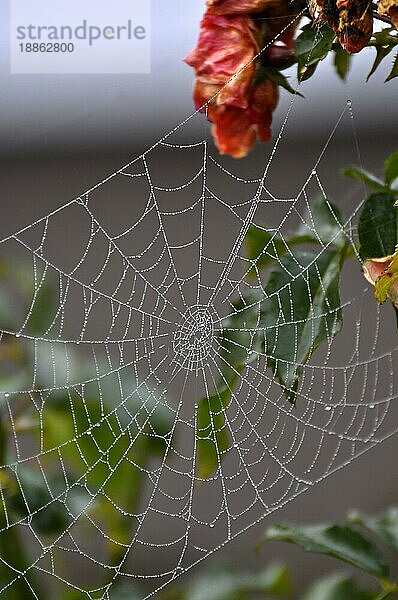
[59, 135]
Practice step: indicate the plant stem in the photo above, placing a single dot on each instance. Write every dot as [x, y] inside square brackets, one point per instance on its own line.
[388, 589]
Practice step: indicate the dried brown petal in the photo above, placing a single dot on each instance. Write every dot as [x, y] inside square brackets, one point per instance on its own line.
[324, 10]
[351, 20]
[390, 8]
[355, 24]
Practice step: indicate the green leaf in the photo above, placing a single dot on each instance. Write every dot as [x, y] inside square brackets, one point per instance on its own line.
[382, 50]
[213, 439]
[7, 312]
[42, 308]
[312, 46]
[336, 587]
[342, 62]
[386, 280]
[74, 595]
[301, 310]
[394, 71]
[384, 43]
[274, 580]
[238, 342]
[322, 224]
[239, 331]
[106, 459]
[391, 168]
[307, 71]
[117, 592]
[360, 174]
[126, 592]
[280, 79]
[226, 583]
[264, 247]
[50, 365]
[341, 542]
[384, 525]
[378, 226]
[28, 493]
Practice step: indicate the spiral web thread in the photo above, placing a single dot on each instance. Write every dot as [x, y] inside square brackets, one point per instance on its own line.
[143, 296]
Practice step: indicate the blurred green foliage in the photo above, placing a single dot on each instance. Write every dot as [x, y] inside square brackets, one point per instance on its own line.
[359, 542]
[104, 449]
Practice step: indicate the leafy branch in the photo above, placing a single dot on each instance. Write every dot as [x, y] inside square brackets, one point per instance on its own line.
[349, 543]
[293, 304]
[314, 44]
[360, 543]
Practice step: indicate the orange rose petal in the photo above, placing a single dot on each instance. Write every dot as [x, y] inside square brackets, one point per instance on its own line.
[224, 56]
[233, 132]
[224, 60]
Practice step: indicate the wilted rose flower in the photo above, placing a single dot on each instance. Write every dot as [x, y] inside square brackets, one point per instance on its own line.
[390, 8]
[376, 268]
[351, 20]
[236, 129]
[238, 99]
[355, 24]
[224, 59]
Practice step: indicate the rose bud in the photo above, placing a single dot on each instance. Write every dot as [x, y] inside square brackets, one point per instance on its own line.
[383, 274]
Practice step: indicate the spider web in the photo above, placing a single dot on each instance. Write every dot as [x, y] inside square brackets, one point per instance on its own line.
[143, 297]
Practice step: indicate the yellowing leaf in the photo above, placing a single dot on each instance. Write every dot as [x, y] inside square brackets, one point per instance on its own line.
[384, 286]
